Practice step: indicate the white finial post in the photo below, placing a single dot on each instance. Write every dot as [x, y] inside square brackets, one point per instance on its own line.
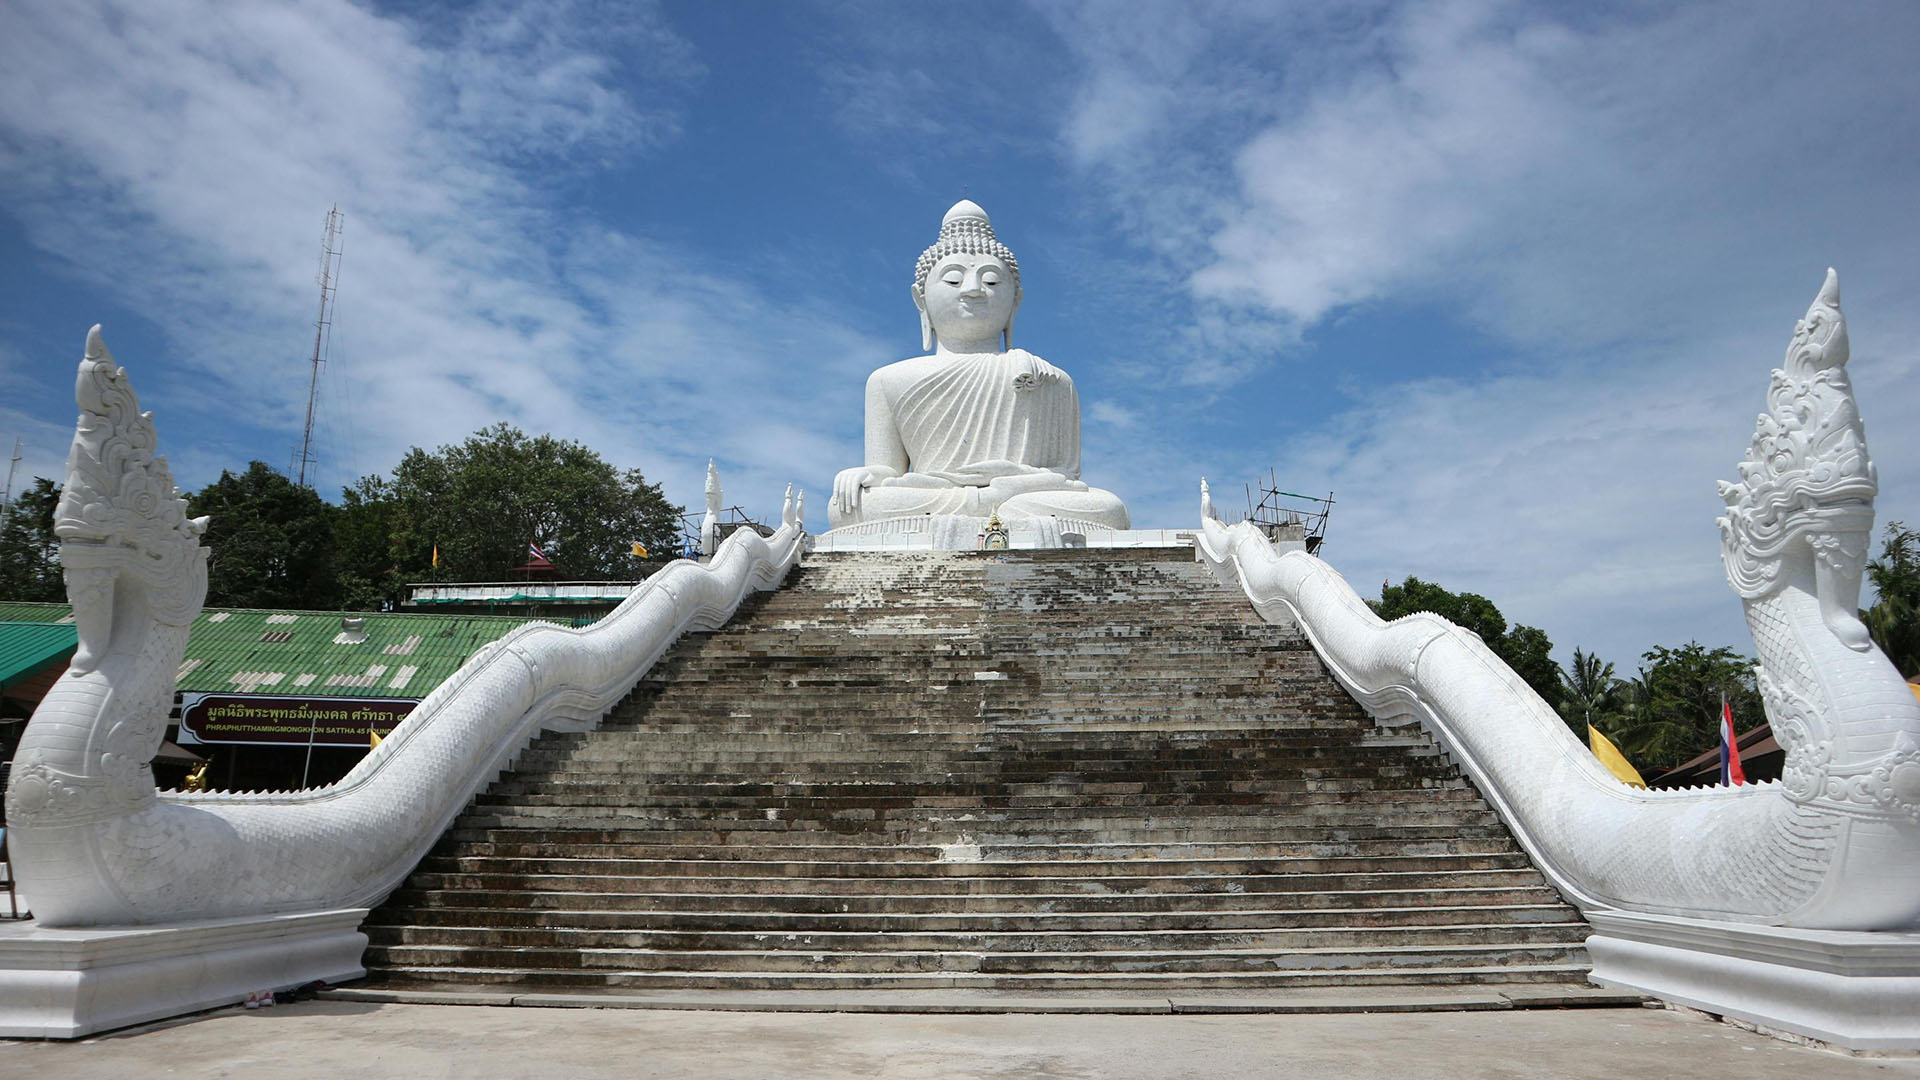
[800, 510]
[786, 507]
[1206, 501]
[710, 525]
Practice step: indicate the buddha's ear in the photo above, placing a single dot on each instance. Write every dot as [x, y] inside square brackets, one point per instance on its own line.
[926, 324]
[1006, 336]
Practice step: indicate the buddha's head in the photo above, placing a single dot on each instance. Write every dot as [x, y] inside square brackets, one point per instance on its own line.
[967, 285]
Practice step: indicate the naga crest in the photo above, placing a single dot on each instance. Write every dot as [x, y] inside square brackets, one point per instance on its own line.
[1807, 476]
[120, 513]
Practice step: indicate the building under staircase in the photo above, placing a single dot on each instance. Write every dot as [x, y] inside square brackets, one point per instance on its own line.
[1040, 771]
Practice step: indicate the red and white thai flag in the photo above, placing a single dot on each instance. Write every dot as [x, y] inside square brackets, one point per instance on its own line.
[1730, 771]
[534, 550]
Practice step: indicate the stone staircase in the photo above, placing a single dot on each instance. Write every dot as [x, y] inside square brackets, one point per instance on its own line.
[1038, 771]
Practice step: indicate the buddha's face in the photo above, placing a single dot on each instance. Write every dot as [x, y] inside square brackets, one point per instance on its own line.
[969, 299]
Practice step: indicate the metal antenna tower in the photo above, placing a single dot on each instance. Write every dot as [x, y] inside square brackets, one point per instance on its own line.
[6, 501]
[329, 279]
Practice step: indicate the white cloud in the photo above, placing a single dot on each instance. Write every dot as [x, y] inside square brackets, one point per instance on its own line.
[1396, 174]
[1632, 210]
[1112, 413]
[181, 153]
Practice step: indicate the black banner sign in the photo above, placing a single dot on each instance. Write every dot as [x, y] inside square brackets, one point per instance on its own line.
[290, 721]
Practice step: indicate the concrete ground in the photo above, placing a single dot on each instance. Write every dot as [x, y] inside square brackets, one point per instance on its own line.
[366, 1040]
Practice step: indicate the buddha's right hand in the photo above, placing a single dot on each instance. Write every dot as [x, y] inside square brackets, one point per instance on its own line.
[848, 483]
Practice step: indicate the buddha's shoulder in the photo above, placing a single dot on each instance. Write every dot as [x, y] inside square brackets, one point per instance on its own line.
[934, 361]
[902, 373]
[914, 368]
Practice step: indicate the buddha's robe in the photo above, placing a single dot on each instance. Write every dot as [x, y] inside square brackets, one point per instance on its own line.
[995, 433]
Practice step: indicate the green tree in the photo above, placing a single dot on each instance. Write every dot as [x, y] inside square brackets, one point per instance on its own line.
[1529, 652]
[1590, 693]
[270, 542]
[1677, 712]
[481, 502]
[1894, 619]
[29, 552]
[374, 539]
[1525, 649]
[1470, 611]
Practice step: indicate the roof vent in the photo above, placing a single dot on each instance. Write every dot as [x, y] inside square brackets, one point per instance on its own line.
[352, 632]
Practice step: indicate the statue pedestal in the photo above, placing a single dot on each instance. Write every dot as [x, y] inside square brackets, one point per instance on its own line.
[62, 984]
[961, 532]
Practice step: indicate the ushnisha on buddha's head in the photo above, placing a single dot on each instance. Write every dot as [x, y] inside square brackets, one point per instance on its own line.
[967, 286]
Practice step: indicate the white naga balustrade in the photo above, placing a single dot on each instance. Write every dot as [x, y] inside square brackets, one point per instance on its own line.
[94, 845]
[1790, 903]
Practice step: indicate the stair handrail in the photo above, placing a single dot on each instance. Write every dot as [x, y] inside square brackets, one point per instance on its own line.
[95, 844]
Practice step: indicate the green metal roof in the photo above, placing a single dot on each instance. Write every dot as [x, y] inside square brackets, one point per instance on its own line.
[26, 648]
[307, 653]
[23, 611]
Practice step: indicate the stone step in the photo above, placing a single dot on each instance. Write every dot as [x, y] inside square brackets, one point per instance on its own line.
[614, 961]
[823, 901]
[524, 857]
[1014, 720]
[714, 735]
[542, 943]
[1139, 882]
[1057, 922]
[1206, 812]
[572, 791]
[591, 843]
[970, 765]
[1082, 983]
[1122, 823]
[632, 751]
[1219, 867]
[965, 779]
[719, 844]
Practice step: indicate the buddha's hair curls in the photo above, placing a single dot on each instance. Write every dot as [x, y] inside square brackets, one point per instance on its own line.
[965, 236]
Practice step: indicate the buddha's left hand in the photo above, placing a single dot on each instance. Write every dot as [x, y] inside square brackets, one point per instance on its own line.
[982, 473]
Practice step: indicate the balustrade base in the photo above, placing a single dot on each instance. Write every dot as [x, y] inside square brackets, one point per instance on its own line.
[1852, 990]
[62, 984]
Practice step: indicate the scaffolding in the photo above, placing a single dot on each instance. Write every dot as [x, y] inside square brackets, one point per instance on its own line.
[1283, 515]
[730, 518]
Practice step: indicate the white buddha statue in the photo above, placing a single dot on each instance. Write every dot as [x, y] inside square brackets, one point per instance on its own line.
[977, 427]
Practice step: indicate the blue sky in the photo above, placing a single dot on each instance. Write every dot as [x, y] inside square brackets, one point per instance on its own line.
[1506, 278]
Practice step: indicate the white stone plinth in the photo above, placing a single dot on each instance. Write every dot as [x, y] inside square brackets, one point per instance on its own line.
[61, 984]
[1855, 990]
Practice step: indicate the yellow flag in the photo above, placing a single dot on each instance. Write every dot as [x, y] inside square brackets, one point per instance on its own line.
[373, 739]
[639, 550]
[436, 556]
[1915, 687]
[1613, 759]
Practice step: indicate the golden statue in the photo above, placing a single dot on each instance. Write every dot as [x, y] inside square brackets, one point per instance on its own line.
[995, 538]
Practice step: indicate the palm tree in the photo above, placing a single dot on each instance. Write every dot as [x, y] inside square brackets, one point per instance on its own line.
[1894, 619]
[1589, 692]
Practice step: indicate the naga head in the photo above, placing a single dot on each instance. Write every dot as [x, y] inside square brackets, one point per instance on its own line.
[1806, 487]
[122, 524]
